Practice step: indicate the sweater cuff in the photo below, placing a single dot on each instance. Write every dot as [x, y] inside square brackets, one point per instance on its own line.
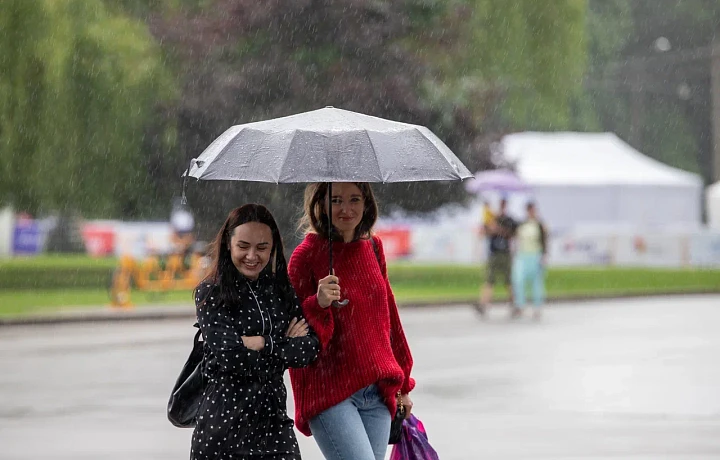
[314, 308]
[408, 386]
[319, 319]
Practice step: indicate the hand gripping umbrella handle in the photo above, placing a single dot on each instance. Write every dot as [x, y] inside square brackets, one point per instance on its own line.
[340, 303]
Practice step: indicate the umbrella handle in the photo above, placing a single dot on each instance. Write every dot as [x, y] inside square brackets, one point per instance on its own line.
[183, 199]
[335, 303]
[340, 303]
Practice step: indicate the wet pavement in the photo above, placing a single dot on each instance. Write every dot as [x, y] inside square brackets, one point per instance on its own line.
[626, 379]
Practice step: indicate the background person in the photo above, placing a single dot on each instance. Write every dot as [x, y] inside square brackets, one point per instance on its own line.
[499, 265]
[529, 262]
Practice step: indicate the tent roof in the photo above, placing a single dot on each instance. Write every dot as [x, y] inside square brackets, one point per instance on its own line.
[587, 159]
[714, 189]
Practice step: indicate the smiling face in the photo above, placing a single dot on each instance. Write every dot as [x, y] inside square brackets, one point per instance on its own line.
[348, 205]
[250, 248]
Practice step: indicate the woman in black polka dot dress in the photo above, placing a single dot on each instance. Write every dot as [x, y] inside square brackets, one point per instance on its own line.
[254, 330]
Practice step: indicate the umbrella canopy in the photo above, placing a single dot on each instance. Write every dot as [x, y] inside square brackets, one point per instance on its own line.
[328, 145]
[501, 180]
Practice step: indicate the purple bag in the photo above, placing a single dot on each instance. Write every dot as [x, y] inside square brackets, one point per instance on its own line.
[414, 443]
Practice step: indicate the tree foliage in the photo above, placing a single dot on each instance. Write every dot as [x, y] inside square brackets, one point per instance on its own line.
[79, 87]
[669, 90]
[93, 122]
[515, 64]
[243, 61]
[469, 70]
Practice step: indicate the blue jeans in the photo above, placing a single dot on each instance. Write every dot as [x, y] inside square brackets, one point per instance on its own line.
[528, 268]
[356, 429]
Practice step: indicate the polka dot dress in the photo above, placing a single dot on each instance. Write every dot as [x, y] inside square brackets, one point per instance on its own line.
[244, 414]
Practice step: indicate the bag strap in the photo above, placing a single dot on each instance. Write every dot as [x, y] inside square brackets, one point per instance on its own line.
[377, 255]
[377, 251]
[398, 396]
[197, 342]
[198, 333]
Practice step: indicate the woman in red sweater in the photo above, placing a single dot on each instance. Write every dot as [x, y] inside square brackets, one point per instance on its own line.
[346, 398]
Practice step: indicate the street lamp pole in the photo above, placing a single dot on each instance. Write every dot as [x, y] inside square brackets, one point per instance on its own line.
[637, 103]
[636, 71]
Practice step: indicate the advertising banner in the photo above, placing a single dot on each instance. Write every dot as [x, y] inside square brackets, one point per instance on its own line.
[576, 249]
[139, 239]
[27, 237]
[99, 239]
[446, 245]
[651, 250]
[396, 242]
[705, 250]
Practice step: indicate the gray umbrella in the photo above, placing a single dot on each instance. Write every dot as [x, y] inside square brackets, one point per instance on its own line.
[327, 145]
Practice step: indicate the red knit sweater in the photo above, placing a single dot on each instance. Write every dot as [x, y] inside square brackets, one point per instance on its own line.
[362, 343]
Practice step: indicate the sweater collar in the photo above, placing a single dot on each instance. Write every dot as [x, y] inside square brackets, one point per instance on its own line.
[314, 237]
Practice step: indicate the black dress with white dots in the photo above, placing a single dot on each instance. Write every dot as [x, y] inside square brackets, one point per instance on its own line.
[243, 414]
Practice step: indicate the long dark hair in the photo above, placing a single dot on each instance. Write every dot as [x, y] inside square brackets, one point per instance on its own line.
[315, 218]
[222, 271]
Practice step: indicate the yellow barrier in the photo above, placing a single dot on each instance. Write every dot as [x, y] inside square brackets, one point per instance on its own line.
[155, 274]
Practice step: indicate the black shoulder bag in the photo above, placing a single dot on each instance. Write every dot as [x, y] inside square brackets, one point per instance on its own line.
[187, 393]
[397, 421]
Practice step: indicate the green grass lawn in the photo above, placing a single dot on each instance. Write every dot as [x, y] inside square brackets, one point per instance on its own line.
[460, 283]
[15, 302]
[411, 284]
[58, 261]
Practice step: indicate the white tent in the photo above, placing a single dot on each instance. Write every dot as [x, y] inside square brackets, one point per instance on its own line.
[596, 179]
[712, 205]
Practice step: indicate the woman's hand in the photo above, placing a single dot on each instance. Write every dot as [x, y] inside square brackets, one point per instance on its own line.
[297, 328]
[255, 342]
[328, 290]
[407, 402]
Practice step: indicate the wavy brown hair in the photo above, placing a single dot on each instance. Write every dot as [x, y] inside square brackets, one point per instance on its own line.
[315, 218]
[222, 271]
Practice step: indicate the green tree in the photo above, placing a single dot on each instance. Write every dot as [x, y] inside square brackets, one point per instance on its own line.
[243, 61]
[79, 86]
[656, 99]
[515, 64]
[466, 69]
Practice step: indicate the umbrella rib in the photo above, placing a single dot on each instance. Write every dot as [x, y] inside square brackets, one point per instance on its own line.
[377, 162]
[442, 149]
[276, 180]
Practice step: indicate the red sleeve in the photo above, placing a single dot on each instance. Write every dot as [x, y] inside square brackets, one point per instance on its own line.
[301, 276]
[400, 347]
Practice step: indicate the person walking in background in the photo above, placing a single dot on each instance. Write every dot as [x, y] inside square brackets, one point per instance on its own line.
[500, 233]
[346, 398]
[488, 218]
[253, 328]
[529, 262]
